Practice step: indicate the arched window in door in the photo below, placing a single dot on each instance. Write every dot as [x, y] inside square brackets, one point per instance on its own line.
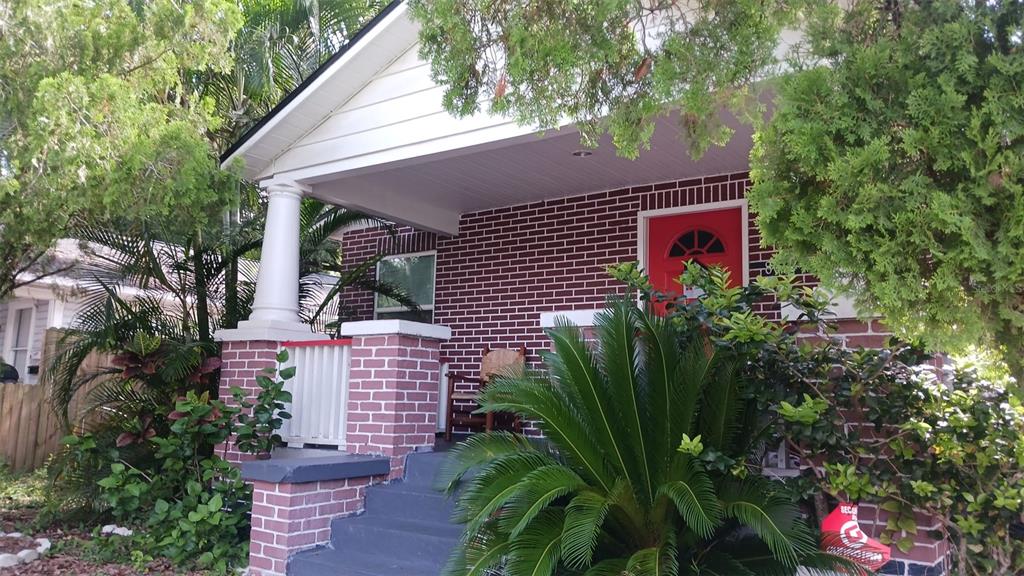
[696, 242]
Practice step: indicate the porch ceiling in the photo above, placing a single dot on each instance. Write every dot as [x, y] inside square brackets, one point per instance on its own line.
[430, 192]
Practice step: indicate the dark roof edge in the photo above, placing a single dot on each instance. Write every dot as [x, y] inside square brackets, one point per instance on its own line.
[309, 80]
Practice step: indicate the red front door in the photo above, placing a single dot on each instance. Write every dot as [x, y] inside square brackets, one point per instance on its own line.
[710, 238]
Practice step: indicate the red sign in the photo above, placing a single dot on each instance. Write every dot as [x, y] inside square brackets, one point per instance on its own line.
[841, 535]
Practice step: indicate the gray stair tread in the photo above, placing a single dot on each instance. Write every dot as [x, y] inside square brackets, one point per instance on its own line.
[331, 562]
[405, 487]
[440, 528]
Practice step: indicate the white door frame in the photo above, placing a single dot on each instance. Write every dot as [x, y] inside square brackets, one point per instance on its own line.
[644, 216]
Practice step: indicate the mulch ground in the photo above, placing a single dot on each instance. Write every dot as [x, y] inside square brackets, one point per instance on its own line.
[13, 545]
[61, 560]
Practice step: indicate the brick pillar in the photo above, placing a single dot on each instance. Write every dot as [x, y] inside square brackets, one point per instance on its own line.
[393, 388]
[244, 353]
[241, 362]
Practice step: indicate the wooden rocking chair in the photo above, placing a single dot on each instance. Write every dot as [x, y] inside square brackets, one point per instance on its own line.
[493, 362]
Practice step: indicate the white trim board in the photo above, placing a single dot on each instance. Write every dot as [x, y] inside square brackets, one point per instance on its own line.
[403, 327]
[645, 215]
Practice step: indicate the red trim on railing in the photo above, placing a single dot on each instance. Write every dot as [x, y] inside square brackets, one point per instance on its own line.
[305, 343]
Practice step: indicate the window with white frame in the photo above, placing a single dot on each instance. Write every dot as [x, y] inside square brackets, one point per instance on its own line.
[413, 273]
[20, 339]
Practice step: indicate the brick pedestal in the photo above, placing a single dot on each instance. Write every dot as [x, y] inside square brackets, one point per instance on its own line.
[393, 388]
[241, 362]
[296, 497]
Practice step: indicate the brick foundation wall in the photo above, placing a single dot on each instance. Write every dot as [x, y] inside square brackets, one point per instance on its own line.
[287, 518]
[393, 395]
[854, 334]
[241, 362]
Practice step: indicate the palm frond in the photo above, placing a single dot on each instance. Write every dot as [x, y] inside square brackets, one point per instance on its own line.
[695, 498]
[536, 492]
[583, 519]
[616, 328]
[771, 516]
[695, 373]
[575, 370]
[825, 564]
[722, 408]
[558, 417]
[486, 550]
[610, 567]
[537, 550]
[493, 487]
[476, 451]
[654, 561]
[661, 370]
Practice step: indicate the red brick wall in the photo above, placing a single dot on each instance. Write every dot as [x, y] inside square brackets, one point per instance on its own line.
[393, 394]
[287, 518]
[508, 265]
[242, 361]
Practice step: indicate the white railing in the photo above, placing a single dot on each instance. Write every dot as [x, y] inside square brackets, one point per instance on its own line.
[319, 393]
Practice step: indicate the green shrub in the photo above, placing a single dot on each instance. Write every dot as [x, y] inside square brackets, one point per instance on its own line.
[191, 506]
[886, 426]
[259, 421]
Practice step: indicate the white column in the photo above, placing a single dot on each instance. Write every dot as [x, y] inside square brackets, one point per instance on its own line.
[275, 308]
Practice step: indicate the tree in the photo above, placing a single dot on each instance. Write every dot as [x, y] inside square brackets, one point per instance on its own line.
[893, 167]
[171, 287]
[604, 66]
[100, 119]
[653, 467]
[278, 46]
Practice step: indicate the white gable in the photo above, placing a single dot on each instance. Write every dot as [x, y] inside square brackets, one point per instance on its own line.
[395, 116]
[375, 104]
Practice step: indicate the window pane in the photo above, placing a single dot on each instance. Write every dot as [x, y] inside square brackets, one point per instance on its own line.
[20, 363]
[22, 325]
[414, 274]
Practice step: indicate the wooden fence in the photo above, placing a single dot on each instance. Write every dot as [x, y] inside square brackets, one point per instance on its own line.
[29, 430]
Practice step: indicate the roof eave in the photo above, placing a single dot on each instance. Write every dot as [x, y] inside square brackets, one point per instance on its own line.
[294, 98]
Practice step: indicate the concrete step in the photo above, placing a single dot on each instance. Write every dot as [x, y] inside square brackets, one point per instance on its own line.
[331, 562]
[400, 500]
[422, 468]
[406, 539]
[406, 530]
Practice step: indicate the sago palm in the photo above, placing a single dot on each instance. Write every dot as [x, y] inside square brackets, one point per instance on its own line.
[613, 491]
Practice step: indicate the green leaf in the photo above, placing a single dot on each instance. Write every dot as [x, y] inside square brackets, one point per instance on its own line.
[537, 550]
[695, 499]
[583, 519]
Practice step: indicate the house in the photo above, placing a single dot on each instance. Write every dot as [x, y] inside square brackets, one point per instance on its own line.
[34, 309]
[503, 230]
